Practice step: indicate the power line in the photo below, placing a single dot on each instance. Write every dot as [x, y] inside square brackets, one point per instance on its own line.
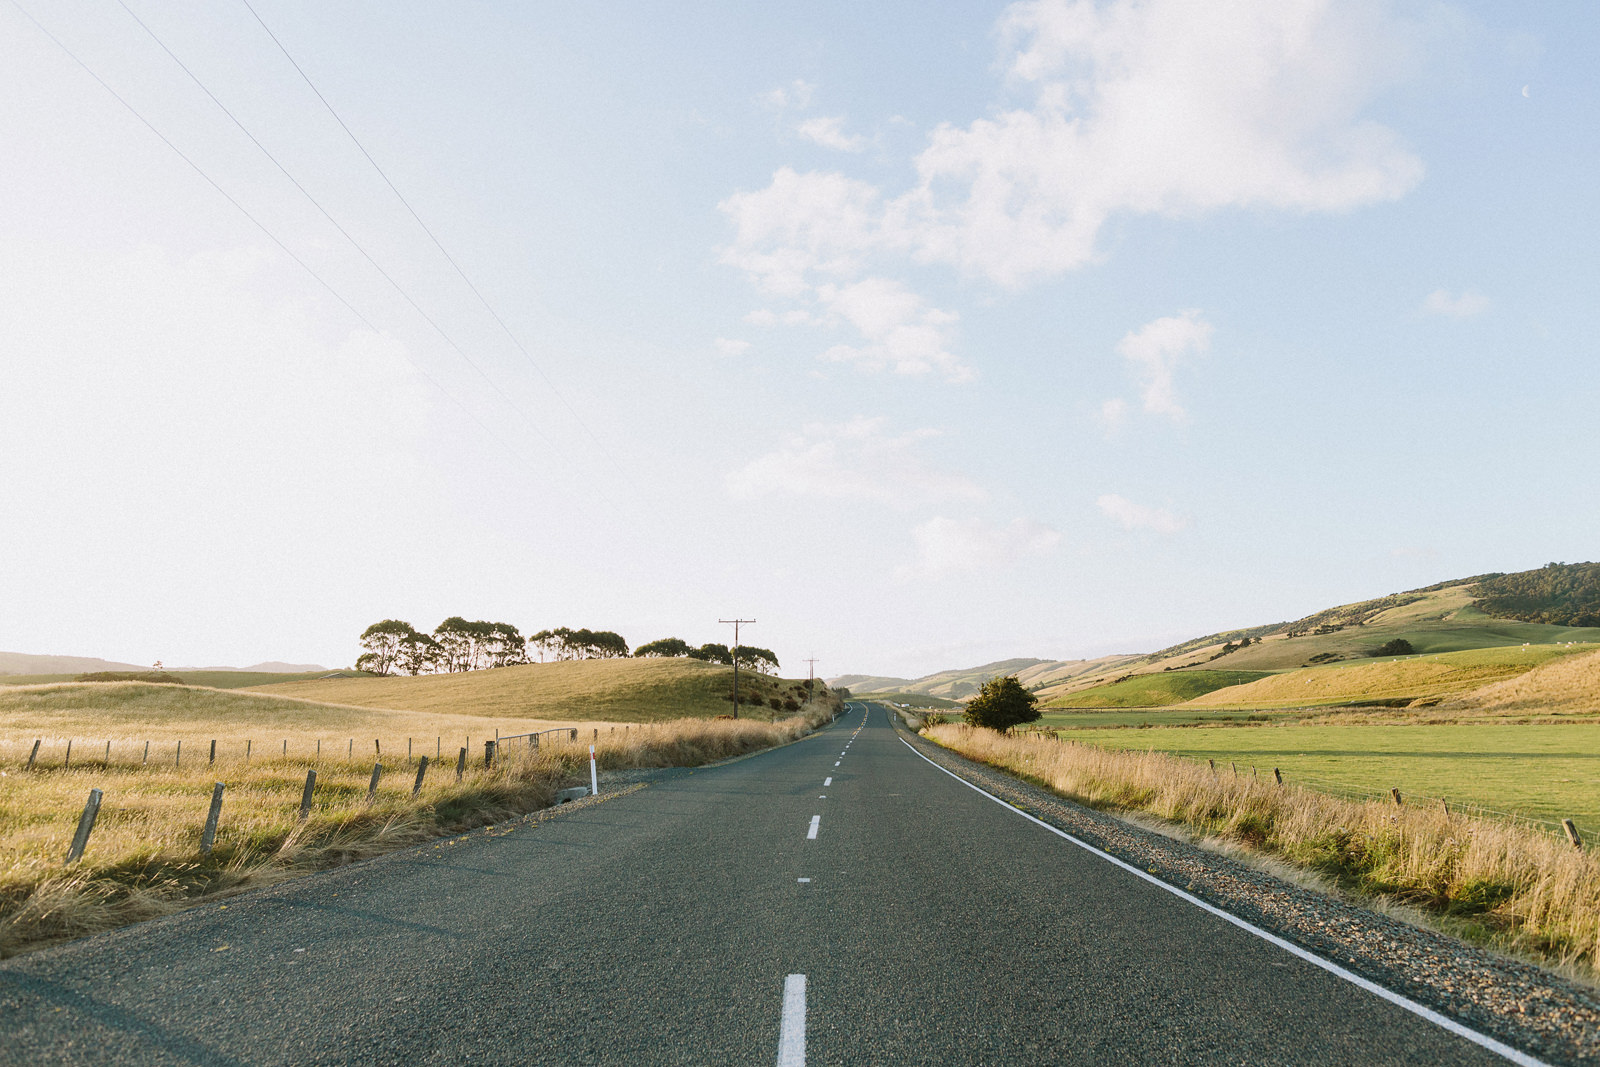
[254, 221]
[515, 340]
[336, 225]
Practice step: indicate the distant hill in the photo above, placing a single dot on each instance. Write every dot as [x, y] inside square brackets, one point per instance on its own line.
[269, 667]
[24, 663]
[1036, 674]
[1558, 604]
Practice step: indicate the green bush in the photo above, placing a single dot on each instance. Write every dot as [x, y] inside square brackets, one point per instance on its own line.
[1002, 703]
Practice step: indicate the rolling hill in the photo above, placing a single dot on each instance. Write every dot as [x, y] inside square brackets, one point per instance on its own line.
[613, 690]
[958, 685]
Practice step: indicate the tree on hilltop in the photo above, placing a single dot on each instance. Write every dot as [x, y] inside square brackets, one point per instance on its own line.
[667, 647]
[383, 640]
[1002, 703]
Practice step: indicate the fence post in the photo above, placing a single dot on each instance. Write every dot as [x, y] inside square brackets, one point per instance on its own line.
[286, 748]
[212, 761]
[80, 839]
[1396, 794]
[574, 733]
[108, 753]
[1572, 833]
[67, 762]
[177, 759]
[146, 753]
[461, 764]
[488, 755]
[372, 787]
[1213, 767]
[247, 745]
[305, 798]
[209, 838]
[422, 769]
[408, 750]
[35, 753]
[377, 749]
[350, 749]
[1278, 775]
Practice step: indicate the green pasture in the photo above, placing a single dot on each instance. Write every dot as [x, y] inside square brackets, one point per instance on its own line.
[1541, 771]
[1156, 690]
[1063, 719]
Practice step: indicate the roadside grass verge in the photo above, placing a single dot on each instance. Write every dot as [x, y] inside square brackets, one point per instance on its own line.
[144, 860]
[1507, 886]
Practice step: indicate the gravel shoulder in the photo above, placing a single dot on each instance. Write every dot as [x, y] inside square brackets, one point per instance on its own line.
[1518, 1003]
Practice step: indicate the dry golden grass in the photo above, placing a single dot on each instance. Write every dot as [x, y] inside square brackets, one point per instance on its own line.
[143, 858]
[1408, 678]
[615, 690]
[1570, 686]
[1502, 884]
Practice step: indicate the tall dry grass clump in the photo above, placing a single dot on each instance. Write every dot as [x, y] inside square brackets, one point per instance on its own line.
[1510, 886]
[144, 857]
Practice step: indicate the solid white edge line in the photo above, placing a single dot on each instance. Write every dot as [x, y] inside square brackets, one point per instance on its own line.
[792, 1030]
[811, 834]
[1483, 1040]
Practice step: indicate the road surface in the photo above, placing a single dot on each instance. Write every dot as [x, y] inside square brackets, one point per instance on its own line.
[673, 925]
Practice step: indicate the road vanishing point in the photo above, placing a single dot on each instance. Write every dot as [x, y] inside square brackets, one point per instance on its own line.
[840, 900]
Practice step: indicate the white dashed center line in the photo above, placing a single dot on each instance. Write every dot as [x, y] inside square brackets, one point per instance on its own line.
[792, 1032]
[802, 879]
[827, 781]
[811, 834]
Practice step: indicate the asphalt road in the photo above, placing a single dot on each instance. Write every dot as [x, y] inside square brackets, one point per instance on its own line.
[932, 925]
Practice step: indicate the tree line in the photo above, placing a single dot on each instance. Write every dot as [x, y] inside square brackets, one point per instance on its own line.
[396, 647]
[749, 656]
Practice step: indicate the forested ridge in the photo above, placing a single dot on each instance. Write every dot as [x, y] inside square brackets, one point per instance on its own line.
[1561, 594]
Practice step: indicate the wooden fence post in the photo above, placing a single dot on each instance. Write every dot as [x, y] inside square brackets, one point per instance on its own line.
[350, 749]
[67, 762]
[247, 745]
[213, 760]
[209, 838]
[377, 749]
[146, 753]
[488, 755]
[461, 764]
[1396, 794]
[1213, 767]
[1572, 833]
[34, 754]
[305, 798]
[108, 753]
[177, 759]
[1278, 775]
[80, 839]
[422, 769]
[372, 787]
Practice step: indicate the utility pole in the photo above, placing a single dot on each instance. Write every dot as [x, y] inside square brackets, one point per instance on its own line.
[735, 623]
[811, 677]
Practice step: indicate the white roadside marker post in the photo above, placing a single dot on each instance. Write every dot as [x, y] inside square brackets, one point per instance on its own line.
[594, 777]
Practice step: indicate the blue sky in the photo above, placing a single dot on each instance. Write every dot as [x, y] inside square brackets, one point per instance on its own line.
[1047, 329]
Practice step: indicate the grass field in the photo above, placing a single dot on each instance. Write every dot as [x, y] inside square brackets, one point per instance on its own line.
[614, 690]
[210, 679]
[1407, 678]
[143, 858]
[1155, 690]
[1545, 771]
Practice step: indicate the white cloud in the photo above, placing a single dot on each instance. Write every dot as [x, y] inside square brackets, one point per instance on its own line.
[1155, 350]
[1131, 516]
[1113, 413]
[1135, 107]
[855, 460]
[797, 94]
[828, 131]
[729, 346]
[901, 330]
[947, 546]
[1464, 306]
